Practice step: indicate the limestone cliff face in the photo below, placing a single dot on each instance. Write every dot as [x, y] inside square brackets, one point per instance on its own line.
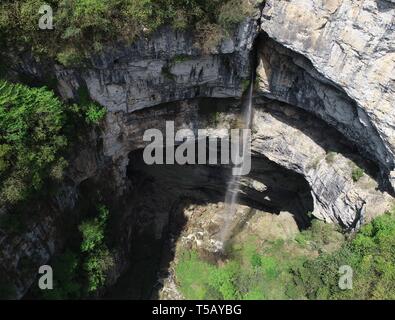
[168, 66]
[334, 59]
[339, 65]
[306, 145]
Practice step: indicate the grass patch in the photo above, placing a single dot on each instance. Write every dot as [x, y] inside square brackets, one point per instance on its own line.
[192, 274]
[289, 270]
[254, 269]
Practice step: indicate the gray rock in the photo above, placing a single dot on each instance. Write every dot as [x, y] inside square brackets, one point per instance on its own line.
[169, 66]
[350, 44]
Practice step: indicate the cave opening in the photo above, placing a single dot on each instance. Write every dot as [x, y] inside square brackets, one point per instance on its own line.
[158, 202]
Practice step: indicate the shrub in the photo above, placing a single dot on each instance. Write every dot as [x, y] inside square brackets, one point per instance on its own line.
[70, 57]
[372, 258]
[233, 12]
[98, 258]
[256, 260]
[192, 275]
[93, 230]
[209, 36]
[96, 266]
[180, 19]
[357, 173]
[303, 238]
[223, 280]
[95, 113]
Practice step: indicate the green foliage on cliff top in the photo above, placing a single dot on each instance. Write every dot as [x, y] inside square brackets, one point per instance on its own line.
[83, 26]
[284, 270]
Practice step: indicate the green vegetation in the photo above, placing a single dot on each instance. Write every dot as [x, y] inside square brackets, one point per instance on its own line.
[93, 257]
[370, 254]
[357, 173]
[248, 274]
[84, 26]
[66, 282]
[180, 58]
[98, 258]
[36, 130]
[209, 36]
[245, 84]
[214, 119]
[166, 69]
[95, 113]
[31, 140]
[307, 267]
[232, 12]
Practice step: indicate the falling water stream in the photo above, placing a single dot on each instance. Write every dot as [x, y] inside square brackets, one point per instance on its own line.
[233, 187]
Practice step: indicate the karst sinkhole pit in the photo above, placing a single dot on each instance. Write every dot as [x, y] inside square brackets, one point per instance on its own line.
[160, 193]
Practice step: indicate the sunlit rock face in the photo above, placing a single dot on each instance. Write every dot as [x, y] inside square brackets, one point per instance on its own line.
[348, 46]
[304, 144]
[168, 66]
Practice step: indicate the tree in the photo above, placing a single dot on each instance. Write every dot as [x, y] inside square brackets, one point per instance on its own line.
[31, 140]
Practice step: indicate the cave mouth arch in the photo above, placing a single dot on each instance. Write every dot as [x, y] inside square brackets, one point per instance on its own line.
[160, 193]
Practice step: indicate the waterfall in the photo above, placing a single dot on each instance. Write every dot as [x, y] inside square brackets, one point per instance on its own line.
[233, 186]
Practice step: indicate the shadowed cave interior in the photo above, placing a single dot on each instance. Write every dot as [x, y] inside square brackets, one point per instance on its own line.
[160, 194]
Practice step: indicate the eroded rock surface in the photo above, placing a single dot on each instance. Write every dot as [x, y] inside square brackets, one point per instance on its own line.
[304, 144]
[334, 59]
[349, 46]
[168, 66]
